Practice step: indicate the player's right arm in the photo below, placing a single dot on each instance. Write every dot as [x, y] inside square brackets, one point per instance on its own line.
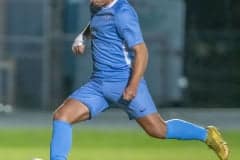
[78, 46]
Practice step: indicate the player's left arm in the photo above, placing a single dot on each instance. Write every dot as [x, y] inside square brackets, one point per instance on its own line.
[138, 68]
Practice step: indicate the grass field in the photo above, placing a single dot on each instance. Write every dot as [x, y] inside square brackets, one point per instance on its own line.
[16, 144]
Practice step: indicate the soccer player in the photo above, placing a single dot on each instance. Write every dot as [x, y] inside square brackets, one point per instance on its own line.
[120, 58]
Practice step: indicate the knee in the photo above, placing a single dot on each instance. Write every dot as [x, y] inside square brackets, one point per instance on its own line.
[71, 112]
[60, 115]
[63, 115]
[158, 131]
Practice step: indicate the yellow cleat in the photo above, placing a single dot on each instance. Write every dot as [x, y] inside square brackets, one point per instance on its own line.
[216, 143]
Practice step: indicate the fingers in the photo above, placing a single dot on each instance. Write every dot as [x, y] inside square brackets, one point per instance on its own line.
[129, 94]
[78, 49]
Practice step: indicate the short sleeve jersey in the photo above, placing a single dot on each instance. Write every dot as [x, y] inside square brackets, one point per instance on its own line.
[115, 30]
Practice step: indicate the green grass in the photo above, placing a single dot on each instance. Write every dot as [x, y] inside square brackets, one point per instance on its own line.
[17, 144]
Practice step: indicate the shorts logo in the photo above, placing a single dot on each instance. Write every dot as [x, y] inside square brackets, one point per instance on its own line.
[143, 109]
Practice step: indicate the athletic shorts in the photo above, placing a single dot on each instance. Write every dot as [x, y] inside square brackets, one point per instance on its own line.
[99, 95]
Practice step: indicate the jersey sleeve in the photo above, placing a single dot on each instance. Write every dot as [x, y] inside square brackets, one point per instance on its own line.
[128, 27]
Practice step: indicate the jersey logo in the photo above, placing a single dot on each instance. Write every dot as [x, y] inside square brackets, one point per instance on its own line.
[107, 17]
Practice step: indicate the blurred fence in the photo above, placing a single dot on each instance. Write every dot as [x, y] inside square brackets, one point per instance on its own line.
[7, 82]
[24, 40]
[36, 37]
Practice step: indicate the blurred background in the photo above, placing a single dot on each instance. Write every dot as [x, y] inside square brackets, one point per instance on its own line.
[193, 45]
[193, 70]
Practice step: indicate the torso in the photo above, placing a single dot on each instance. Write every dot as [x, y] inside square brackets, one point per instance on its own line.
[110, 57]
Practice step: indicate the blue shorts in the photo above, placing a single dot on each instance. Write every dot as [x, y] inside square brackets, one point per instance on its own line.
[97, 95]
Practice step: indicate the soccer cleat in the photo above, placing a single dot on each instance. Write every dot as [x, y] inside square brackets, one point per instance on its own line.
[216, 143]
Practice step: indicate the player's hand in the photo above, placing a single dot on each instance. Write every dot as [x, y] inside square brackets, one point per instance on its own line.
[78, 49]
[129, 93]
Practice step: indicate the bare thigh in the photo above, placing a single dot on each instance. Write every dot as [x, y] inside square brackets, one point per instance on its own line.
[154, 125]
[71, 111]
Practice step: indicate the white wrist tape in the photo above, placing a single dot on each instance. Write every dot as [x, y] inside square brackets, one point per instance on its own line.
[80, 39]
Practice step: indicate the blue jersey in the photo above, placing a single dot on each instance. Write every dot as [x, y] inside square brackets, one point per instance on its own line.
[114, 31]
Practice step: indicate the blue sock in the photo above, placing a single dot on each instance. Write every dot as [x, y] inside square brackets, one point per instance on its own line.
[61, 140]
[182, 130]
